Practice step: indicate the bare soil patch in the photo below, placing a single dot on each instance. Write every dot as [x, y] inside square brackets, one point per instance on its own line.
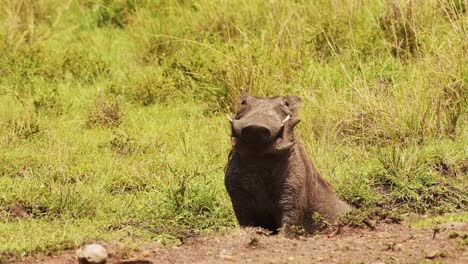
[387, 243]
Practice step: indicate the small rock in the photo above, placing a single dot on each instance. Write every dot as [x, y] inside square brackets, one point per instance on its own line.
[253, 242]
[398, 247]
[390, 245]
[433, 254]
[145, 253]
[291, 259]
[92, 254]
[228, 257]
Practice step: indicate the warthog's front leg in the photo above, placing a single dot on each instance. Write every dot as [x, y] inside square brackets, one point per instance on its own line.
[291, 215]
[244, 213]
[291, 224]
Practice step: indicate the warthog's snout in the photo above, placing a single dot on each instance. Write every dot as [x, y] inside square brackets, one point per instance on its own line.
[259, 123]
[257, 130]
[255, 133]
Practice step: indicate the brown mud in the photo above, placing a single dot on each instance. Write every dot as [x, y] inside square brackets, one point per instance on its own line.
[387, 243]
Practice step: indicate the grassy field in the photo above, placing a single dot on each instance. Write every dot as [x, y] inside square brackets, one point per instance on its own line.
[112, 119]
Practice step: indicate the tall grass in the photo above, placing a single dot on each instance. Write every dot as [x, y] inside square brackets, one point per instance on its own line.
[111, 112]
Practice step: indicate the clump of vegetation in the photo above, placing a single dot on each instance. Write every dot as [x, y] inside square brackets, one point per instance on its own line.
[147, 87]
[190, 198]
[410, 184]
[105, 112]
[48, 100]
[156, 50]
[125, 144]
[399, 27]
[114, 12]
[25, 126]
[369, 217]
[373, 127]
[21, 21]
[20, 66]
[455, 100]
[82, 65]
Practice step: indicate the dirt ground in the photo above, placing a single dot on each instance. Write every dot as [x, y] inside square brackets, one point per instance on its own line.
[387, 243]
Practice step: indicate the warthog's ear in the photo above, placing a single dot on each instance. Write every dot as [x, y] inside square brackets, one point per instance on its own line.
[243, 98]
[294, 103]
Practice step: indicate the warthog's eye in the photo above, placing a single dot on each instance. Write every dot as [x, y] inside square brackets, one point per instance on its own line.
[286, 103]
[243, 102]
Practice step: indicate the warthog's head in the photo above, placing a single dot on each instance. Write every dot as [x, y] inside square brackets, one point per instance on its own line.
[265, 125]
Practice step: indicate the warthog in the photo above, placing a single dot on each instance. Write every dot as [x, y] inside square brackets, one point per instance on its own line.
[270, 179]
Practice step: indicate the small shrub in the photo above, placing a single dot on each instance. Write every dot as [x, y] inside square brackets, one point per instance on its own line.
[70, 200]
[357, 218]
[125, 144]
[25, 126]
[146, 87]
[369, 217]
[156, 51]
[115, 13]
[235, 78]
[329, 36]
[105, 112]
[48, 100]
[219, 26]
[191, 199]
[81, 65]
[371, 127]
[21, 19]
[399, 29]
[451, 107]
[21, 65]
[126, 184]
[196, 74]
[150, 88]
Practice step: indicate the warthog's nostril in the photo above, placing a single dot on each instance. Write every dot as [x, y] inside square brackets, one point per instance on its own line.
[255, 133]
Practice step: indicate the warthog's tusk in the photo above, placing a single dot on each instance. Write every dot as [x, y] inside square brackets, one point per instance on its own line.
[229, 118]
[285, 120]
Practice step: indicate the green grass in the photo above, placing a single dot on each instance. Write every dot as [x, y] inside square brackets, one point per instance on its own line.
[112, 119]
[432, 222]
